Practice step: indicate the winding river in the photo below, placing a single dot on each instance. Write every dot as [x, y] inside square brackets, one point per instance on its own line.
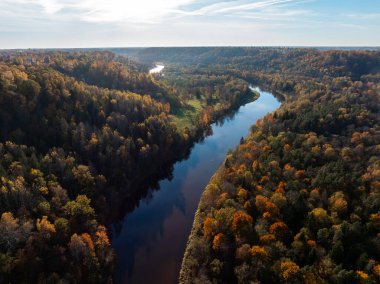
[150, 241]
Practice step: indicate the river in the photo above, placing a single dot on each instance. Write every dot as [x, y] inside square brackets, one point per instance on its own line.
[150, 241]
[157, 69]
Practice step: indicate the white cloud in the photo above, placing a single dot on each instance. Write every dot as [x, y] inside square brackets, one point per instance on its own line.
[133, 11]
[232, 7]
[137, 11]
[50, 6]
[366, 16]
[235, 7]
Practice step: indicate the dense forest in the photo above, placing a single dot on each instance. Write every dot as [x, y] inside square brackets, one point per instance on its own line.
[298, 201]
[79, 133]
[66, 145]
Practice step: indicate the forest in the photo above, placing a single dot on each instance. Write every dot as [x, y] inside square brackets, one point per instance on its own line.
[79, 133]
[297, 201]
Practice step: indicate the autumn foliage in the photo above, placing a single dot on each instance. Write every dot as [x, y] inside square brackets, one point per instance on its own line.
[303, 187]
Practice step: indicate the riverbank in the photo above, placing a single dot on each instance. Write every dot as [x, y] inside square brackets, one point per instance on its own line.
[185, 274]
[189, 262]
[141, 241]
[120, 204]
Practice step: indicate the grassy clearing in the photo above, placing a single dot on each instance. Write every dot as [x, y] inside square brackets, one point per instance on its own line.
[186, 116]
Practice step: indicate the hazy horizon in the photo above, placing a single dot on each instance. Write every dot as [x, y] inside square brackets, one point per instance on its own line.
[200, 46]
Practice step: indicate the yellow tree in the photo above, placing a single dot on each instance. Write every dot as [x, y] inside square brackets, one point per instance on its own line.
[289, 270]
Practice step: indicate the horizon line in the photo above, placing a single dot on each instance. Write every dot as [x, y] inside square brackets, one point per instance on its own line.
[193, 46]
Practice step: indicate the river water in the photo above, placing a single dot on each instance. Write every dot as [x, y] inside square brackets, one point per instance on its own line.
[157, 69]
[150, 241]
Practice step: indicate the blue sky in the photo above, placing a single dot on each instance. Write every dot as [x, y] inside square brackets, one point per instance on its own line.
[117, 23]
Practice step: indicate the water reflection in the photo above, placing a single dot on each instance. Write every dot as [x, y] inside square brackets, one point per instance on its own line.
[150, 240]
